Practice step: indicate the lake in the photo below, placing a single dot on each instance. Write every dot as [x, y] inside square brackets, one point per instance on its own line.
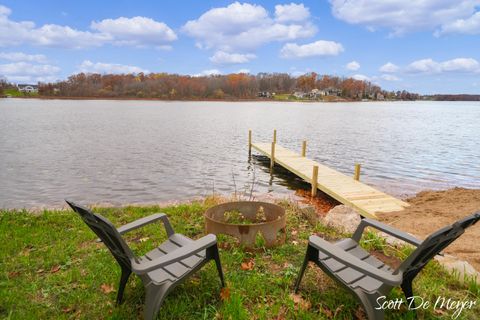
[119, 152]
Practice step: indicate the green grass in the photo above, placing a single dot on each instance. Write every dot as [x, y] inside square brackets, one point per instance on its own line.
[52, 268]
[284, 97]
[16, 93]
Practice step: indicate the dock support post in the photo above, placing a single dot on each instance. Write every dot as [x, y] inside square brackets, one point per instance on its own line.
[272, 158]
[274, 135]
[304, 148]
[356, 176]
[314, 181]
[249, 142]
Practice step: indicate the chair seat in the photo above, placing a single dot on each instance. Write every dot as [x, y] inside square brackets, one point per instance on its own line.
[351, 277]
[176, 270]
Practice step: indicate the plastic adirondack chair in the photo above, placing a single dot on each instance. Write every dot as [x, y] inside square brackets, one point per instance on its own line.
[367, 277]
[161, 269]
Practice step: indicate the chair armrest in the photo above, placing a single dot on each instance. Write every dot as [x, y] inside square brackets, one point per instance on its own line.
[174, 256]
[385, 228]
[353, 262]
[145, 221]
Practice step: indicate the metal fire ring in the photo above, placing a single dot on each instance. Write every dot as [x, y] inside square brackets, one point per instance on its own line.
[270, 229]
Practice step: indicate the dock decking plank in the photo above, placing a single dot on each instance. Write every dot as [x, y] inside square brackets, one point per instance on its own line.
[363, 198]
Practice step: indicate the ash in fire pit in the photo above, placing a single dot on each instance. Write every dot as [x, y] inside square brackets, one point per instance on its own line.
[245, 219]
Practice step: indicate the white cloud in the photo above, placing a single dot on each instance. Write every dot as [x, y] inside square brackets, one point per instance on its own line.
[466, 65]
[353, 65]
[361, 77]
[28, 72]
[389, 68]
[424, 66]
[209, 72]
[88, 66]
[461, 65]
[244, 71]
[221, 57]
[317, 48]
[469, 25]
[4, 11]
[243, 27]
[52, 35]
[390, 77]
[291, 12]
[403, 16]
[135, 31]
[20, 56]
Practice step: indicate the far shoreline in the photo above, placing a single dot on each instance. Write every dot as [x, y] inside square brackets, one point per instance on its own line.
[337, 100]
[189, 100]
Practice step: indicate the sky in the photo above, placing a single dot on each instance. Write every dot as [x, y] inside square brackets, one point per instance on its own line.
[423, 46]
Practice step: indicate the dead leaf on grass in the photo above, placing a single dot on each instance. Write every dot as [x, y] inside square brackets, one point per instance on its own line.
[360, 314]
[439, 312]
[67, 309]
[13, 274]
[144, 239]
[225, 294]
[338, 310]
[248, 265]
[55, 269]
[106, 288]
[300, 302]
[327, 312]
[40, 270]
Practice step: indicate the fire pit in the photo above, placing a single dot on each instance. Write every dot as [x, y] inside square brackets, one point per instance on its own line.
[245, 219]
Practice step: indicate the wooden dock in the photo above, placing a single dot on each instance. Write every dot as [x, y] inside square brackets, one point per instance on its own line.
[348, 190]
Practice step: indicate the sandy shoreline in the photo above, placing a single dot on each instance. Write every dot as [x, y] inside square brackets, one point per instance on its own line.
[432, 210]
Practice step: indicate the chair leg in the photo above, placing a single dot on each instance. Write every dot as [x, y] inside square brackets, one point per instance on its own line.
[154, 296]
[368, 302]
[213, 254]
[123, 282]
[408, 291]
[308, 257]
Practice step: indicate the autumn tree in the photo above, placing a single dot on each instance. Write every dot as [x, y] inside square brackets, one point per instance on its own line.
[174, 86]
[307, 81]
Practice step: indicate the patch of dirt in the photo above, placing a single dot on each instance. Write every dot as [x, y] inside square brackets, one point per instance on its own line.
[391, 261]
[432, 210]
[322, 202]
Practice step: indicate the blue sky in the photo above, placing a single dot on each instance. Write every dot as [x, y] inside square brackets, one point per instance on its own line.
[428, 46]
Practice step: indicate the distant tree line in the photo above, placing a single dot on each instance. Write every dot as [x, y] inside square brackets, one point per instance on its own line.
[232, 86]
[3, 85]
[454, 97]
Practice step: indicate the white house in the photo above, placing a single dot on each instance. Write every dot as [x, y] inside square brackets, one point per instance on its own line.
[299, 94]
[333, 91]
[28, 88]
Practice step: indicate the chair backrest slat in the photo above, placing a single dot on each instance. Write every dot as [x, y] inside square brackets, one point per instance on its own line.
[107, 232]
[435, 243]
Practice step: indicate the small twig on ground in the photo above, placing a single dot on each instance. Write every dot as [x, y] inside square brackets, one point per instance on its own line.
[213, 189]
[253, 183]
[234, 185]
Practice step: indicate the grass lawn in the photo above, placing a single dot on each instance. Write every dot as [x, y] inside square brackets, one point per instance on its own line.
[284, 97]
[16, 93]
[52, 268]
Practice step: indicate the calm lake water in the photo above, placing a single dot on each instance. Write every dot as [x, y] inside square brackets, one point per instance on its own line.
[122, 152]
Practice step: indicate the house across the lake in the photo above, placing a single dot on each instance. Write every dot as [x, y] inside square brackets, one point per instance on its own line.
[299, 94]
[28, 88]
[265, 94]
